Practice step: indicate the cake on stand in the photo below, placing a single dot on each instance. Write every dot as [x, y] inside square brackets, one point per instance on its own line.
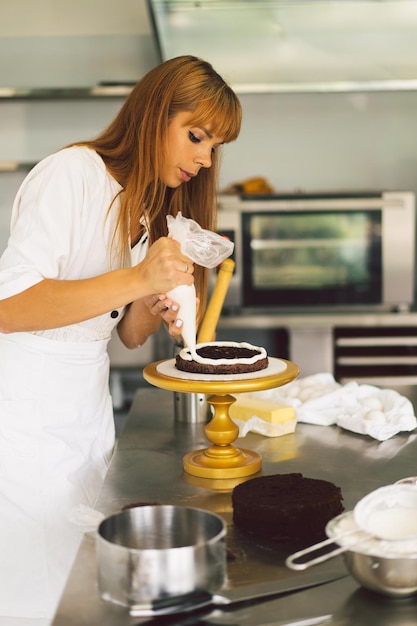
[221, 459]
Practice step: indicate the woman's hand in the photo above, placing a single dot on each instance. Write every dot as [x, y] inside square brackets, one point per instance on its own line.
[164, 267]
[168, 310]
[144, 316]
[161, 305]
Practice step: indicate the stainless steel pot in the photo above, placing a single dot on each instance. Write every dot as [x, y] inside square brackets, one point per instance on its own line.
[162, 559]
[191, 408]
[152, 553]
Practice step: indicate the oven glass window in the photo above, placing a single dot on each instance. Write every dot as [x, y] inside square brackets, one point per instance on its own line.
[313, 258]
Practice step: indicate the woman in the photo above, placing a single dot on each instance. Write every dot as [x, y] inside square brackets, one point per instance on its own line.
[88, 251]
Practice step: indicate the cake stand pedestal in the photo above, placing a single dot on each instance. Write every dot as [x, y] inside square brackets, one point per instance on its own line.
[221, 459]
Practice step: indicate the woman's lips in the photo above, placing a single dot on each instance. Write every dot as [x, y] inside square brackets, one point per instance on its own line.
[186, 176]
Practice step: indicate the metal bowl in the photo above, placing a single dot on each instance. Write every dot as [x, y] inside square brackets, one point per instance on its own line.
[376, 565]
[152, 553]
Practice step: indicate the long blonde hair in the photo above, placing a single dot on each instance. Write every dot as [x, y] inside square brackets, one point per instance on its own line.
[133, 148]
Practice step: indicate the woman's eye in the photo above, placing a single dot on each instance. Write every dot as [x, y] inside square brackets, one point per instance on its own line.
[193, 137]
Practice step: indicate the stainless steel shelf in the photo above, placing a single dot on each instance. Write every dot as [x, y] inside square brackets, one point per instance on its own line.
[57, 93]
[15, 166]
[65, 93]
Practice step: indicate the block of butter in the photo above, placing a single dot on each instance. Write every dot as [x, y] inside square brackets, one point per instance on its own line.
[262, 416]
[273, 412]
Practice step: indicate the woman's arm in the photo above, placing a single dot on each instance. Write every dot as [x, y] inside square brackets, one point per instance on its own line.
[55, 303]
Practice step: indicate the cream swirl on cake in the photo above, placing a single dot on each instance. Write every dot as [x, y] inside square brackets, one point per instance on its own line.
[222, 357]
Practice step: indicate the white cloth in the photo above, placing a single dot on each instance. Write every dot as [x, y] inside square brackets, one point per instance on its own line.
[56, 422]
[360, 408]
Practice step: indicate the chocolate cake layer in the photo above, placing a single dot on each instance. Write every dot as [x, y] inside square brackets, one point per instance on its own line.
[286, 508]
[235, 355]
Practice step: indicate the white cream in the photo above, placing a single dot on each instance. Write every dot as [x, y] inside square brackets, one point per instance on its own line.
[393, 524]
[188, 355]
[185, 296]
[348, 534]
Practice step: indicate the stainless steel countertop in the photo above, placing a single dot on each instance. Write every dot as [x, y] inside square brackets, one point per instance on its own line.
[147, 467]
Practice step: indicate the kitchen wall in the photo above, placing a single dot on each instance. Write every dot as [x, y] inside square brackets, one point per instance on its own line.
[297, 141]
[327, 141]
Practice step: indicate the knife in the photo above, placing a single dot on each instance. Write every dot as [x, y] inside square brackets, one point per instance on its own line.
[231, 598]
[309, 621]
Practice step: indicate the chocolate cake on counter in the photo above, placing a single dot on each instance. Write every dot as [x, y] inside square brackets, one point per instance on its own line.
[222, 357]
[286, 508]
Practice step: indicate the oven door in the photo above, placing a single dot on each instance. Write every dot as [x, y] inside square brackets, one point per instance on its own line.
[312, 258]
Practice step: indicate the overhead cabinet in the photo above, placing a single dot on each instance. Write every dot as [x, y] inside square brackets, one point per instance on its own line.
[269, 46]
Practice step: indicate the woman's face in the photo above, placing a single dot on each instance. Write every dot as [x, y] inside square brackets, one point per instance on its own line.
[189, 148]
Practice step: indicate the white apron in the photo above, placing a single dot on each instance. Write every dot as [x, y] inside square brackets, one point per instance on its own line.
[55, 444]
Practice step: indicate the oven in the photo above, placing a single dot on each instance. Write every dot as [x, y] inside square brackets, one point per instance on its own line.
[331, 251]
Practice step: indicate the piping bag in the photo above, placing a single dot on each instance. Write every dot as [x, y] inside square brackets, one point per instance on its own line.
[205, 248]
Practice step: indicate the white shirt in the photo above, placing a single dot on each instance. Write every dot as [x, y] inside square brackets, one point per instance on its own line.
[61, 229]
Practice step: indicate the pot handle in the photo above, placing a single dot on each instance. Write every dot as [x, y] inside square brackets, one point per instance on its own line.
[292, 563]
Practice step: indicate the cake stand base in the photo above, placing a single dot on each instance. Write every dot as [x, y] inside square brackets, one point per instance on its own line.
[222, 458]
[236, 463]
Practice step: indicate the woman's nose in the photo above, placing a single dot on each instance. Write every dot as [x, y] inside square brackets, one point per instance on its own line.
[204, 158]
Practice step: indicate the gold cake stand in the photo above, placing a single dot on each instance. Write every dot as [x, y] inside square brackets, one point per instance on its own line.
[221, 459]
